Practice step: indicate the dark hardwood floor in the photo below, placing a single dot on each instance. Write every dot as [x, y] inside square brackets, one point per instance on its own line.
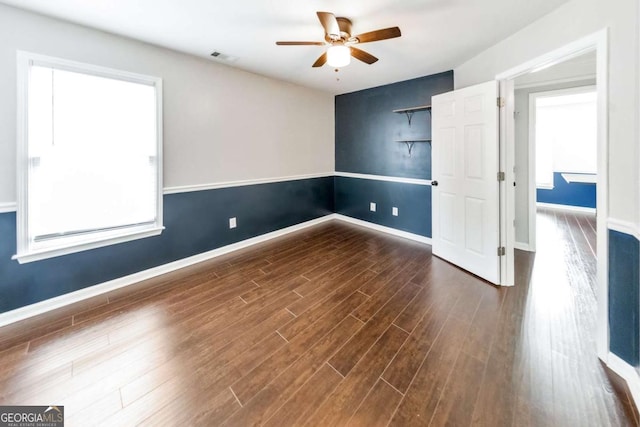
[333, 325]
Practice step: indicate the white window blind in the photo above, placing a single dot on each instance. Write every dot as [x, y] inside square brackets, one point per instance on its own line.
[91, 155]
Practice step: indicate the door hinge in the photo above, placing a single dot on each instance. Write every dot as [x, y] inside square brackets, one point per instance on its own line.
[501, 176]
[500, 101]
[501, 251]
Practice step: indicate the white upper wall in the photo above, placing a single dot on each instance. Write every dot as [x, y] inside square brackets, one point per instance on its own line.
[220, 124]
[570, 22]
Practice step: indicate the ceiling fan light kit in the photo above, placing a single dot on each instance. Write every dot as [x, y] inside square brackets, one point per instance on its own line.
[338, 56]
[340, 42]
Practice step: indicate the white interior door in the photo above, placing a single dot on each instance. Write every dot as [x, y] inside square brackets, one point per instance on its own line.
[465, 192]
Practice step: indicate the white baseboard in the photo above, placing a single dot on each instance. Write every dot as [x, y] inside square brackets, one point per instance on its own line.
[628, 373]
[566, 208]
[42, 307]
[382, 228]
[38, 308]
[522, 246]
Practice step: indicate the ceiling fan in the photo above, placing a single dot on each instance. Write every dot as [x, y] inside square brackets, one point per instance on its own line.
[340, 43]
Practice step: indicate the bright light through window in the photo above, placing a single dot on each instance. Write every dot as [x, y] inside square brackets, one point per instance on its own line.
[91, 153]
[566, 135]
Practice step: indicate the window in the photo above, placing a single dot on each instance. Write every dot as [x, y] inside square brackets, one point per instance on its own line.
[565, 133]
[89, 157]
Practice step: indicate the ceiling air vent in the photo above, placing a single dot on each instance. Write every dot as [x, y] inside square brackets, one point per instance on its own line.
[223, 57]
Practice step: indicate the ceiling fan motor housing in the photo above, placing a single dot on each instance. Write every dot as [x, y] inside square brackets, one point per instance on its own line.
[345, 31]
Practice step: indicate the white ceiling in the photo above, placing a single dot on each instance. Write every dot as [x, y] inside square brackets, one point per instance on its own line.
[437, 35]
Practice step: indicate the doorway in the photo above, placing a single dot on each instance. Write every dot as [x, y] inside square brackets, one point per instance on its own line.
[594, 46]
[556, 143]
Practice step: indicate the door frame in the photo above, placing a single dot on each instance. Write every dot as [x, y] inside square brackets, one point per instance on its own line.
[599, 42]
[506, 153]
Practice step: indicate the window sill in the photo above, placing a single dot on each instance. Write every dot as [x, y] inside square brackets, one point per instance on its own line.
[544, 187]
[65, 250]
[582, 178]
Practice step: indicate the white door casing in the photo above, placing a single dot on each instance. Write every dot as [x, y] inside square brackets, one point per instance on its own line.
[465, 192]
[507, 187]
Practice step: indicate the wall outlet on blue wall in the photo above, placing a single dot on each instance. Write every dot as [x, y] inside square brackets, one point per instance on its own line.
[394, 211]
[232, 222]
[372, 207]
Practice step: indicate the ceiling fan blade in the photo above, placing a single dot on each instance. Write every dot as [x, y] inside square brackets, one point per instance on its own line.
[321, 60]
[330, 24]
[300, 43]
[363, 56]
[384, 34]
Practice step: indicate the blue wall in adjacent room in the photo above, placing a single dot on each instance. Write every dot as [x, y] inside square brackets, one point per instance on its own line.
[353, 195]
[195, 222]
[366, 130]
[624, 298]
[570, 194]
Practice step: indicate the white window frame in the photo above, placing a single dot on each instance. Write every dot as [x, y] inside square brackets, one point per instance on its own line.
[94, 240]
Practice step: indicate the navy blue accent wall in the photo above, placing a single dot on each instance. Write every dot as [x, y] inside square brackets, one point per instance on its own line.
[624, 298]
[565, 193]
[365, 141]
[352, 198]
[195, 222]
[366, 128]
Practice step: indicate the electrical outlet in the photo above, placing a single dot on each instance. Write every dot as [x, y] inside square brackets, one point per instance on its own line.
[372, 207]
[232, 222]
[394, 211]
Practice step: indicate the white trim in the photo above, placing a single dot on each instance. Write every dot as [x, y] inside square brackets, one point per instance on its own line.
[11, 207]
[240, 183]
[121, 282]
[8, 207]
[523, 246]
[625, 227]
[543, 187]
[85, 68]
[532, 184]
[384, 178]
[599, 42]
[566, 52]
[42, 307]
[628, 373]
[506, 157]
[93, 244]
[584, 178]
[566, 91]
[566, 208]
[382, 228]
[584, 78]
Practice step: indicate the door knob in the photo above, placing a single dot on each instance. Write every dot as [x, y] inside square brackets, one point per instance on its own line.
[434, 183]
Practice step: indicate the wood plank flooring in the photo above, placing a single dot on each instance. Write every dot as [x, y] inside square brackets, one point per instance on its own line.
[333, 325]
